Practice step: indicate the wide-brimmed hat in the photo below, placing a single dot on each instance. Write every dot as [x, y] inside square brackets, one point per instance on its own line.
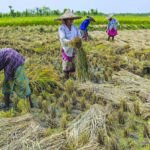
[68, 15]
[90, 17]
[109, 16]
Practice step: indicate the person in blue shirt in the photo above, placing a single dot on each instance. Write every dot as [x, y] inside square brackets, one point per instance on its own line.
[83, 27]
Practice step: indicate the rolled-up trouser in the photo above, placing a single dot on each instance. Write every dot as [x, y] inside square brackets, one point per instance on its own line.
[68, 63]
[20, 84]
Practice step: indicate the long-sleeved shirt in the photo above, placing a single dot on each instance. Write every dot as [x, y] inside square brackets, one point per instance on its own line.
[66, 36]
[112, 24]
[10, 60]
[85, 24]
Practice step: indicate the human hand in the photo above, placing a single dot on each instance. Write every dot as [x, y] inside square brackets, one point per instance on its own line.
[76, 42]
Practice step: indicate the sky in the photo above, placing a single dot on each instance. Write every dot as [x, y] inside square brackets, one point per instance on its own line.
[105, 6]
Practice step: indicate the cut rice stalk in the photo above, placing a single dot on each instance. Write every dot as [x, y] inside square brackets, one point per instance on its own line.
[81, 59]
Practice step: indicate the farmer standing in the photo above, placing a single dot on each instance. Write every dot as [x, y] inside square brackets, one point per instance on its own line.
[67, 32]
[84, 27]
[15, 79]
[111, 27]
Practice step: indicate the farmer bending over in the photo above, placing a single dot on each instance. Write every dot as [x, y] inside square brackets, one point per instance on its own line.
[83, 27]
[15, 79]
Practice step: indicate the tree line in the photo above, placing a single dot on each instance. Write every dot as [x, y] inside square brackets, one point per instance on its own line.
[46, 11]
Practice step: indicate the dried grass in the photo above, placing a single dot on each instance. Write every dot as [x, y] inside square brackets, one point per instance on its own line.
[24, 132]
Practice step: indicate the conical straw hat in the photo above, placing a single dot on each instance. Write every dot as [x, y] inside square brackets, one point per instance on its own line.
[109, 16]
[68, 15]
[90, 17]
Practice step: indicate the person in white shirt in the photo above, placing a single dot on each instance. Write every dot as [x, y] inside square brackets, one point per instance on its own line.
[67, 32]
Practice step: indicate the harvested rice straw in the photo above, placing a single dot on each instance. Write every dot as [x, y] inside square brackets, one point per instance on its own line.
[81, 59]
[76, 42]
[81, 64]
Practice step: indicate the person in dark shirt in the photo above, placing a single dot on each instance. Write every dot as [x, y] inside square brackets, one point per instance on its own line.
[84, 27]
[15, 79]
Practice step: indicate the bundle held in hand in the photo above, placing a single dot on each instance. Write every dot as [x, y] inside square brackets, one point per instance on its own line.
[81, 59]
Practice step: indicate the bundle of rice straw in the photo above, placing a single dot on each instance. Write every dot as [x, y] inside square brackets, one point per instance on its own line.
[81, 59]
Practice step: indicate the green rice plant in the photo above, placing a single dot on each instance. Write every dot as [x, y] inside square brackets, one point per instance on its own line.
[106, 76]
[91, 76]
[83, 103]
[126, 132]
[69, 86]
[131, 143]
[70, 146]
[121, 117]
[53, 111]
[113, 145]
[110, 124]
[8, 114]
[101, 137]
[63, 122]
[135, 22]
[83, 139]
[69, 117]
[124, 105]
[51, 122]
[109, 120]
[23, 106]
[61, 102]
[116, 66]
[74, 98]
[15, 102]
[123, 144]
[48, 132]
[39, 101]
[25, 21]
[68, 107]
[65, 97]
[57, 92]
[45, 106]
[41, 77]
[136, 107]
[44, 94]
[93, 99]
[87, 94]
[133, 125]
[147, 147]
[146, 131]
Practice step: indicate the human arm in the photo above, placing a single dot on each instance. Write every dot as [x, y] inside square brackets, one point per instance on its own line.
[62, 36]
[85, 25]
[107, 27]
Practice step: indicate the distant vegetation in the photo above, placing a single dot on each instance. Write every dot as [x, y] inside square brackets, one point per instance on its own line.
[126, 22]
[46, 11]
[46, 16]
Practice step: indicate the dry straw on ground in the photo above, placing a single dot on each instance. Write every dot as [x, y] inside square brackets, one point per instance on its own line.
[24, 132]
